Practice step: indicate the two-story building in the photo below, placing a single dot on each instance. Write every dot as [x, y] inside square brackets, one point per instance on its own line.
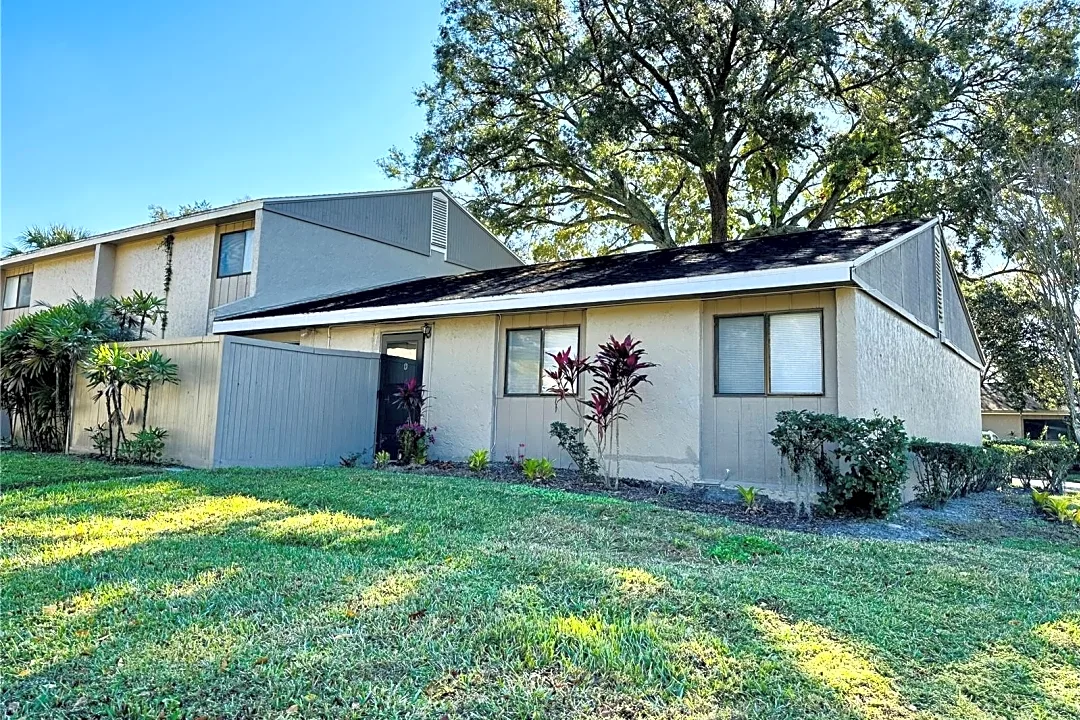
[260, 254]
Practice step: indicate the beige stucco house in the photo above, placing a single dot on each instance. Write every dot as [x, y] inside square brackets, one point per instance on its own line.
[852, 321]
[260, 254]
[1033, 419]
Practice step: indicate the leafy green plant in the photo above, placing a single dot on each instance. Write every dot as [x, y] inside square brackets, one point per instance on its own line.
[742, 548]
[1063, 508]
[413, 442]
[537, 469]
[382, 460]
[479, 460]
[860, 463]
[99, 438]
[145, 446]
[571, 441]
[1040, 463]
[749, 497]
[134, 311]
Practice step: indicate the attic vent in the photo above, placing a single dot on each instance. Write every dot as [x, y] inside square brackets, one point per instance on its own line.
[939, 274]
[439, 220]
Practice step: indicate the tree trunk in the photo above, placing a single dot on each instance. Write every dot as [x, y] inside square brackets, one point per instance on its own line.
[718, 185]
[145, 404]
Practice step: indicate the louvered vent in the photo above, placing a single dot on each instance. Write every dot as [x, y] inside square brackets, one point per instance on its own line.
[439, 221]
[939, 270]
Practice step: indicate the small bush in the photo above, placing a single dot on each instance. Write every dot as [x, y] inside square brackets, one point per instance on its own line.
[570, 440]
[382, 459]
[1040, 463]
[537, 469]
[413, 442]
[145, 446]
[741, 548]
[749, 497]
[479, 460]
[947, 470]
[861, 463]
[1063, 508]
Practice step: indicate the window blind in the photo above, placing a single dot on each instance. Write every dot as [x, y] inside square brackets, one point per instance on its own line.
[557, 340]
[234, 255]
[740, 355]
[11, 291]
[795, 363]
[26, 282]
[523, 362]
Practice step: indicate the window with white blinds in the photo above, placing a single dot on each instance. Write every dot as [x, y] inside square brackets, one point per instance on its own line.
[528, 355]
[795, 362]
[740, 355]
[777, 354]
[235, 253]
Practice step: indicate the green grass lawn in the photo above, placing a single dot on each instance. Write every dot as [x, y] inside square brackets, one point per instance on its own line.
[352, 593]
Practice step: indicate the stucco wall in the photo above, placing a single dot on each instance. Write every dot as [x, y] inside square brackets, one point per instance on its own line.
[889, 366]
[57, 280]
[141, 266]
[1006, 425]
[460, 370]
[661, 439]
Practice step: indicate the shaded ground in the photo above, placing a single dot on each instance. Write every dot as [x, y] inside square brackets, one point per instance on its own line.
[326, 593]
[1005, 513]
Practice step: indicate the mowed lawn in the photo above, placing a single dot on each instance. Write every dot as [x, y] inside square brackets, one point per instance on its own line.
[353, 593]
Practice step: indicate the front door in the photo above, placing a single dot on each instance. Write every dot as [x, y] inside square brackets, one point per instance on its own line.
[402, 359]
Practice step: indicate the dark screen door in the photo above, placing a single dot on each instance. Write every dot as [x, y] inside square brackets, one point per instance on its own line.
[402, 359]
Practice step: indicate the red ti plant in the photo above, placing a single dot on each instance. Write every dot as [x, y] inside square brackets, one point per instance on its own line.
[617, 372]
[411, 396]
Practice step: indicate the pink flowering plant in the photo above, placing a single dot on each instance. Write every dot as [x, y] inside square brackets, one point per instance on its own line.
[414, 438]
[618, 373]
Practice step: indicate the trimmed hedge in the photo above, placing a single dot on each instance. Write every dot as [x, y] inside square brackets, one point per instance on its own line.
[1040, 462]
[948, 470]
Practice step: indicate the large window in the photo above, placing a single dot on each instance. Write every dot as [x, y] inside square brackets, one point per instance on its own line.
[234, 253]
[17, 290]
[775, 354]
[528, 356]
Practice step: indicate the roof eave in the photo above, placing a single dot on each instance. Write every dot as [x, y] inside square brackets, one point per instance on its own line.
[828, 274]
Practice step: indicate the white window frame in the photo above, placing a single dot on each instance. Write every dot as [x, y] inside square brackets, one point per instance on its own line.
[18, 290]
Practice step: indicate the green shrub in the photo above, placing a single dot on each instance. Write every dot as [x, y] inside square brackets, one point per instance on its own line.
[947, 470]
[1063, 508]
[570, 440]
[748, 495]
[1040, 463]
[382, 459]
[861, 463]
[994, 469]
[145, 446]
[537, 469]
[479, 460]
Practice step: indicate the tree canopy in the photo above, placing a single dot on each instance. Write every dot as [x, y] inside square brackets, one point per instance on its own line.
[593, 125]
[38, 237]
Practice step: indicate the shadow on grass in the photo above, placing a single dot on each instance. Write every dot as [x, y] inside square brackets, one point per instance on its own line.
[425, 595]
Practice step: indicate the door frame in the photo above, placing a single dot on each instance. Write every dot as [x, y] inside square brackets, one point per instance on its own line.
[384, 338]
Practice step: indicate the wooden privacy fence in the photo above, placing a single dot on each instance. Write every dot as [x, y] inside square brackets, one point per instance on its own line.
[255, 403]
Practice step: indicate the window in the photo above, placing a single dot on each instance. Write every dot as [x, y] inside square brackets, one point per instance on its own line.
[777, 354]
[234, 253]
[17, 290]
[527, 356]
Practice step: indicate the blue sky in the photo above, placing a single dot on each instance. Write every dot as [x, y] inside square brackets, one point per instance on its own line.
[107, 107]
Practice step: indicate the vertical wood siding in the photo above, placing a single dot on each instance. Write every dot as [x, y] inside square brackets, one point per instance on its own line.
[285, 405]
[526, 420]
[402, 220]
[188, 410]
[957, 328]
[906, 275]
[225, 290]
[735, 444]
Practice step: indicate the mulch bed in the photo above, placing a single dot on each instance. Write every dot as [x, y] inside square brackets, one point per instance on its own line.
[912, 523]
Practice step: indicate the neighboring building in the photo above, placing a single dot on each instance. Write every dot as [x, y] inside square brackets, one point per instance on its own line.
[261, 254]
[851, 321]
[1001, 417]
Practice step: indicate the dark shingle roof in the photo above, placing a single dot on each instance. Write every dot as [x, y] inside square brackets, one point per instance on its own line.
[812, 247]
[995, 399]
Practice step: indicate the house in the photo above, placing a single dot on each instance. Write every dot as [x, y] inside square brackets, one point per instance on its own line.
[260, 254]
[1001, 417]
[852, 321]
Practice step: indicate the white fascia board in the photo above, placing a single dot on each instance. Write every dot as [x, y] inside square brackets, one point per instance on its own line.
[755, 280]
[893, 243]
[162, 227]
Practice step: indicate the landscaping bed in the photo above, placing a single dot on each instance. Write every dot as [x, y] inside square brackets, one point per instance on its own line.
[1009, 508]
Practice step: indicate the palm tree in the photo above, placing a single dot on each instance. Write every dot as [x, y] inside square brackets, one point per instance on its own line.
[108, 368]
[149, 368]
[139, 307]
